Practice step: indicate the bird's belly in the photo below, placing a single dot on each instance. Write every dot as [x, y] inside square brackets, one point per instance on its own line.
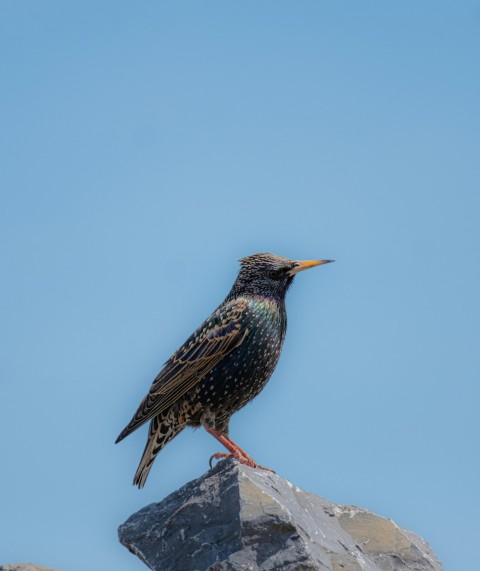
[240, 376]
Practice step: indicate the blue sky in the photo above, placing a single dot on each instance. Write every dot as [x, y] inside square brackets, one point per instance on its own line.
[145, 148]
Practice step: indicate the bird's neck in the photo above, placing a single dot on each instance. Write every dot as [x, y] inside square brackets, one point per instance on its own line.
[264, 298]
[260, 289]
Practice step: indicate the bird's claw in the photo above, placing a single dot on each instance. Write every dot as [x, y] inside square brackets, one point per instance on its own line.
[242, 459]
[264, 468]
[219, 456]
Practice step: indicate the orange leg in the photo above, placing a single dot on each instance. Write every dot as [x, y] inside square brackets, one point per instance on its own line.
[235, 451]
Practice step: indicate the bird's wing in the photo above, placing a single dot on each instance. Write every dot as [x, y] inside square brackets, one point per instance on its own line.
[222, 332]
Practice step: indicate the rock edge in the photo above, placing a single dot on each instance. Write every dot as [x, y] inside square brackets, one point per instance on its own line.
[238, 518]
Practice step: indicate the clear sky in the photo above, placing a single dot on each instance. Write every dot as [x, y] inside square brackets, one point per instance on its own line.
[145, 147]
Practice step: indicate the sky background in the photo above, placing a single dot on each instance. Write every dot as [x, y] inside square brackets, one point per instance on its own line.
[145, 147]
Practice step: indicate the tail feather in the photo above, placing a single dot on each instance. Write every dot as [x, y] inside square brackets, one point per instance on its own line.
[163, 428]
[138, 419]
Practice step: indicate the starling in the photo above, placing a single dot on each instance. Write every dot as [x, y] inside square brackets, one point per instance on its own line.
[224, 364]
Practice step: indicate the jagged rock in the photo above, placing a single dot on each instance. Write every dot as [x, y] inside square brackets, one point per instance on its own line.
[238, 518]
[24, 567]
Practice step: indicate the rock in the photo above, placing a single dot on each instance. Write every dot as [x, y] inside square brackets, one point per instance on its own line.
[24, 567]
[238, 518]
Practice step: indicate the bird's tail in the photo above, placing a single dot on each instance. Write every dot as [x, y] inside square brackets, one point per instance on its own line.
[163, 428]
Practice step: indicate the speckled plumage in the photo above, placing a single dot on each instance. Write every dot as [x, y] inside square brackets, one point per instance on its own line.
[224, 364]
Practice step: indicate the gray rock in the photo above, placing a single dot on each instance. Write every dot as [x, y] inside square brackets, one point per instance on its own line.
[238, 518]
[24, 567]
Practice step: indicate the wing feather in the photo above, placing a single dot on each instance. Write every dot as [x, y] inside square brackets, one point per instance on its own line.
[222, 332]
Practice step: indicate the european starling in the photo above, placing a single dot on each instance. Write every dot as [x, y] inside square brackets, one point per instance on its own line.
[224, 364]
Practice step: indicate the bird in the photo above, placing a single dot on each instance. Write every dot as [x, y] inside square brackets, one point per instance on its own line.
[224, 364]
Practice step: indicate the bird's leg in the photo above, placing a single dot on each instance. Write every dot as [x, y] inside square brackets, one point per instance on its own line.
[235, 451]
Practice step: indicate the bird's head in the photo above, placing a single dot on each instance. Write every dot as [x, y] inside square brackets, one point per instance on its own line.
[269, 275]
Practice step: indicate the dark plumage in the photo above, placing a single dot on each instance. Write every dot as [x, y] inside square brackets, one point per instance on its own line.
[224, 364]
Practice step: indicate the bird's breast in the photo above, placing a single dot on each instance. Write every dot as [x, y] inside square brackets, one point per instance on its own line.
[242, 374]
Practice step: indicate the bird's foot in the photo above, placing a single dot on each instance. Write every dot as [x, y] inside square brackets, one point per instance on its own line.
[236, 451]
[246, 460]
[219, 456]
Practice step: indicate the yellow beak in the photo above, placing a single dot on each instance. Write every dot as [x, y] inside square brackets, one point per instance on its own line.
[306, 264]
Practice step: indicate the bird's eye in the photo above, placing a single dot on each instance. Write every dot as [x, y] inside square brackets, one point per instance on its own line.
[277, 274]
